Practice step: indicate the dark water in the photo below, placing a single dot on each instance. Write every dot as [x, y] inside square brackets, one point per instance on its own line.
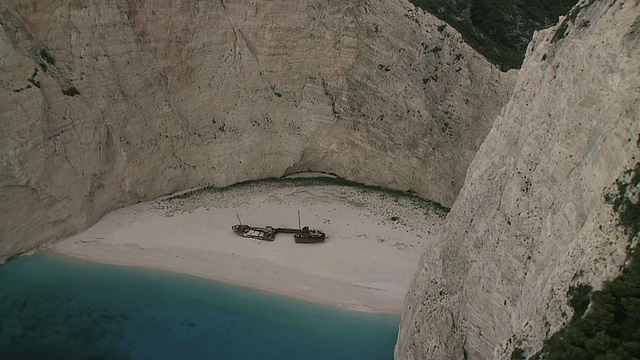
[55, 308]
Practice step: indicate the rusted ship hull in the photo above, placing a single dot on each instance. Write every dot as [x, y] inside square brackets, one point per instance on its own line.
[308, 236]
[267, 233]
[308, 239]
[301, 235]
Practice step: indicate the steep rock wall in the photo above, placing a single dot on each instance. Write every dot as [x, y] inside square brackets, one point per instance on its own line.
[531, 219]
[106, 103]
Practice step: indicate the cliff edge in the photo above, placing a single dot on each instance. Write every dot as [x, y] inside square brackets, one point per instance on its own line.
[532, 219]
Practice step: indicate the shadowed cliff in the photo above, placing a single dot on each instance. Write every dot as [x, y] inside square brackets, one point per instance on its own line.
[498, 29]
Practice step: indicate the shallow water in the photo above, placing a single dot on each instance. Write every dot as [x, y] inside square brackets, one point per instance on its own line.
[55, 308]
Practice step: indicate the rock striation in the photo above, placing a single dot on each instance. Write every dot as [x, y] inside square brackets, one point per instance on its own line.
[103, 104]
[532, 218]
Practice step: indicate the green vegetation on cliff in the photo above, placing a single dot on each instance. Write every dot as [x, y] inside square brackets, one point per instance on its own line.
[498, 29]
[610, 329]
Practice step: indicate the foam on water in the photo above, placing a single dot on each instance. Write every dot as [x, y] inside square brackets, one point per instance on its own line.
[55, 308]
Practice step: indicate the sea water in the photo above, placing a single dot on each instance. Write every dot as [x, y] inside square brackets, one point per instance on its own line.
[55, 308]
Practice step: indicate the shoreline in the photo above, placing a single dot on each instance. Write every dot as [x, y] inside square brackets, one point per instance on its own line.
[373, 246]
[273, 292]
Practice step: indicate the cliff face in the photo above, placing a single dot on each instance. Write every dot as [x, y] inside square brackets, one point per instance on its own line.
[532, 219]
[106, 103]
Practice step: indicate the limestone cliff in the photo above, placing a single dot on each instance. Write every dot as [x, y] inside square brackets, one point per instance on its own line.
[532, 218]
[106, 103]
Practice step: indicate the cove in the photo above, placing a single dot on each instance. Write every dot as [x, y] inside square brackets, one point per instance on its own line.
[53, 307]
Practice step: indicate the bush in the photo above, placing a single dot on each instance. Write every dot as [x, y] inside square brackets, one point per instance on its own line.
[579, 298]
[611, 330]
[518, 354]
[47, 57]
[72, 91]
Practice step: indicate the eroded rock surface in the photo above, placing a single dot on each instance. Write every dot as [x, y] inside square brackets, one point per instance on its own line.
[106, 103]
[532, 219]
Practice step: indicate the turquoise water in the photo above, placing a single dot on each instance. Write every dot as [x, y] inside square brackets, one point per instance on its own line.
[55, 308]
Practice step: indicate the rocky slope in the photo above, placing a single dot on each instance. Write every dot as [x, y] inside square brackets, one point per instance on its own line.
[532, 218]
[103, 104]
[498, 29]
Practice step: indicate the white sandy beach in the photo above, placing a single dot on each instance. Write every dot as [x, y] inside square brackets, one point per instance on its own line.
[366, 262]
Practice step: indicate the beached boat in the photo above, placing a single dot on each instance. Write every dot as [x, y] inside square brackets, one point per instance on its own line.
[304, 235]
[266, 233]
[301, 235]
[308, 236]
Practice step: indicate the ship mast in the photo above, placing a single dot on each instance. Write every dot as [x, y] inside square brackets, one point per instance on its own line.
[299, 227]
[238, 216]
